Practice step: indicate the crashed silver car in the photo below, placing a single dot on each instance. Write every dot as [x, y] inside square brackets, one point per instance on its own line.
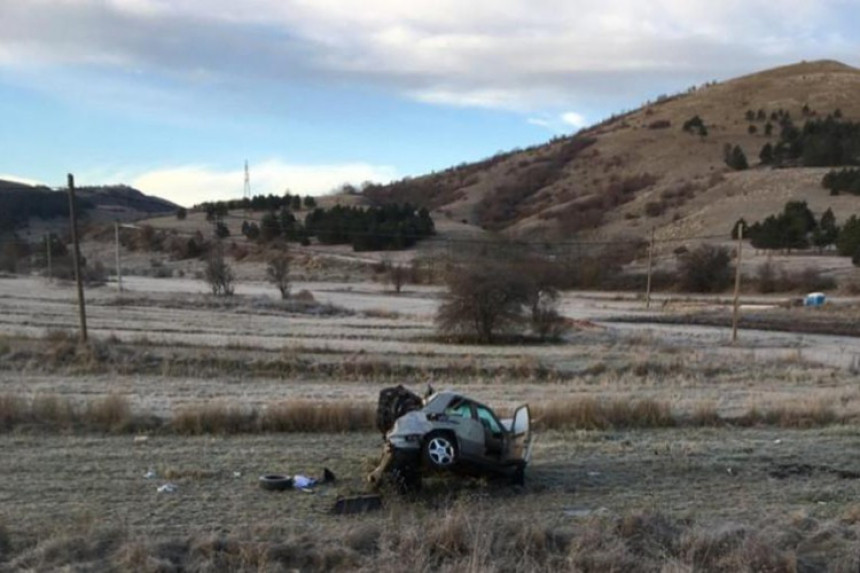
[449, 432]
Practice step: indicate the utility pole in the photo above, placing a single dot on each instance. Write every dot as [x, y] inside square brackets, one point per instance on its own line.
[650, 263]
[737, 284]
[48, 246]
[76, 254]
[118, 267]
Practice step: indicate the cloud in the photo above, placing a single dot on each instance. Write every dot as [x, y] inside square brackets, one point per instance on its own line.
[192, 184]
[17, 179]
[574, 119]
[519, 55]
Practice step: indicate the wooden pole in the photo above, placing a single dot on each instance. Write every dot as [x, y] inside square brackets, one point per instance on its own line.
[48, 247]
[76, 255]
[118, 267]
[737, 284]
[650, 264]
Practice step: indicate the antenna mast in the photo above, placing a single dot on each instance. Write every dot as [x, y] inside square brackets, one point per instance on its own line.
[247, 190]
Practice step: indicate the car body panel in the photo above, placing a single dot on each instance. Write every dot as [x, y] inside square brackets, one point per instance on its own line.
[486, 444]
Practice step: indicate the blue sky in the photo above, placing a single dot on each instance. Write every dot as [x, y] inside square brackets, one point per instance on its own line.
[172, 96]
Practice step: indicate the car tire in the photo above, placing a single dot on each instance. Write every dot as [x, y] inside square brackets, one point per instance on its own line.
[274, 482]
[440, 450]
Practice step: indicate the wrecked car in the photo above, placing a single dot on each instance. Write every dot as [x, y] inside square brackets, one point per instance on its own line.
[448, 432]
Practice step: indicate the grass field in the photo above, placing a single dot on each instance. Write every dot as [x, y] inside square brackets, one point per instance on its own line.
[663, 448]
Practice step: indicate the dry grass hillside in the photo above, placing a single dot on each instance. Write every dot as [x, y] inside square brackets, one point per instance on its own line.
[641, 169]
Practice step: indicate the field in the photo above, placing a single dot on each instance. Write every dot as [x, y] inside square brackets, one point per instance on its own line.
[659, 446]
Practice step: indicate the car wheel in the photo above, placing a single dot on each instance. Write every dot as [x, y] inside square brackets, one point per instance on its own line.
[276, 482]
[440, 450]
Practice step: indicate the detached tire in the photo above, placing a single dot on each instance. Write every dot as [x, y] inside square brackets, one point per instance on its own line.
[275, 482]
[441, 451]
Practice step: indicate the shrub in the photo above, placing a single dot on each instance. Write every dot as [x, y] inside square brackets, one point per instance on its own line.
[483, 299]
[705, 269]
[218, 274]
[655, 208]
[278, 272]
[660, 124]
[735, 157]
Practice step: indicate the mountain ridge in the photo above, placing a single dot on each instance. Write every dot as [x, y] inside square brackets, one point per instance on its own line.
[640, 169]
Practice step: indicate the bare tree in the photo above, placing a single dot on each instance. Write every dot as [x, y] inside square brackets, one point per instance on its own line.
[397, 275]
[483, 299]
[278, 272]
[218, 274]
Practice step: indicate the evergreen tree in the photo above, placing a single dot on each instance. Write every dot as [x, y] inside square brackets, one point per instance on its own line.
[766, 154]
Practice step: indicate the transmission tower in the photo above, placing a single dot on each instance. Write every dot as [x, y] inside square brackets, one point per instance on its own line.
[247, 190]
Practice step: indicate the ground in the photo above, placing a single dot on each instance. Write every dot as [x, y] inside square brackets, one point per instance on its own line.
[709, 495]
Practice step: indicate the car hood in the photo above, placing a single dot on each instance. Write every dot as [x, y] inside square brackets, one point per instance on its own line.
[411, 423]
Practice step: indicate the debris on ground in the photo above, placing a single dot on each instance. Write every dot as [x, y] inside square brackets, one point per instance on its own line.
[150, 474]
[357, 504]
[277, 482]
[168, 488]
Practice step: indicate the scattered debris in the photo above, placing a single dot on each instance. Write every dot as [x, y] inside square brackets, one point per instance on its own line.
[275, 482]
[168, 488]
[583, 511]
[357, 504]
[303, 482]
[150, 474]
[141, 439]
[237, 474]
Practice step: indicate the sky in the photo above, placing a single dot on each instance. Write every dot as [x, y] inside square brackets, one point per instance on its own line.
[173, 96]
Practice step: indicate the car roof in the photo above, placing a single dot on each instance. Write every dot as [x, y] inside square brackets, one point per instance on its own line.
[440, 400]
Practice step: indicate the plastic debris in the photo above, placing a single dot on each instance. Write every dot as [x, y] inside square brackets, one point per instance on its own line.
[168, 488]
[303, 482]
[140, 439]
[237, 474]
[150, 474]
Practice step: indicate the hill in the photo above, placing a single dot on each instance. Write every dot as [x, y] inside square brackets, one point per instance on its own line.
[25, 206]
[643, 169]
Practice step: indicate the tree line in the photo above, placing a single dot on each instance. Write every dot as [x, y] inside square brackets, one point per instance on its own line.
[20, 203]
[826, 142]
[219, 209]
[797, 228]
[389, 227]
[844, 180]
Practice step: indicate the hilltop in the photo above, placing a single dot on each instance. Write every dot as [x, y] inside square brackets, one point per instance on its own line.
[642, 169]
[29, 209]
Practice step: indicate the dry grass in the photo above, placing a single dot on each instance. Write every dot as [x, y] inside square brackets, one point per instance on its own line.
[468, 536]
[307, 416]
[287, 416]
[114, 414]
[593, 414]
[50, 412]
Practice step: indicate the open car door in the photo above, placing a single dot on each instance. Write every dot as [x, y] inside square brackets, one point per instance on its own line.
[521, 448]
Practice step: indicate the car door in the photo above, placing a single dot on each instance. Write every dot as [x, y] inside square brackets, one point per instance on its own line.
[470, 432]
[521, 438]
[495, 437]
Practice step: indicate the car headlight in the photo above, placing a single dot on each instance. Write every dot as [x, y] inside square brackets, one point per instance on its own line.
[405, 439]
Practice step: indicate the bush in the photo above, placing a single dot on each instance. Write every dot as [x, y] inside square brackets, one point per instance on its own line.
[483, 299]
[705, 269]
[278, 272]
[218, 274]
